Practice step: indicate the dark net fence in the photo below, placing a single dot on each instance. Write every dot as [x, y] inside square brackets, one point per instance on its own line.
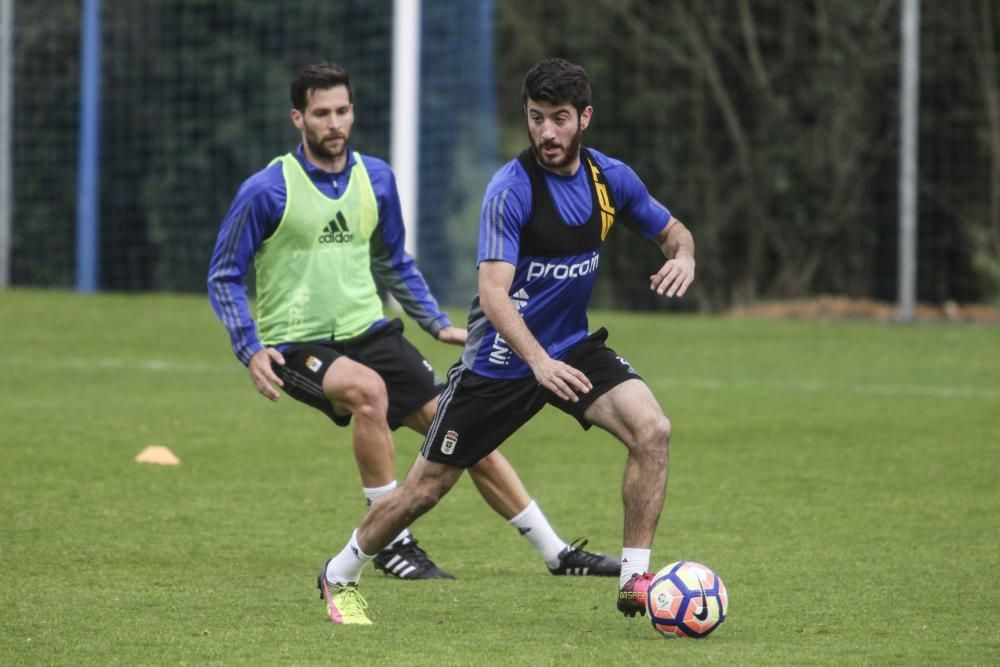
[771, 128]
[195, 99]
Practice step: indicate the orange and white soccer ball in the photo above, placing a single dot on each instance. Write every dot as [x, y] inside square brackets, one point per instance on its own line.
[687, 599]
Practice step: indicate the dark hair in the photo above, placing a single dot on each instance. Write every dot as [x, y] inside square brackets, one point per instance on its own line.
[320, 76]
[557, 81]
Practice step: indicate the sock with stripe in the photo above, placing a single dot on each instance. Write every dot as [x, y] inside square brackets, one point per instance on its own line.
[346, 567]
[533, 525]
[634, 561]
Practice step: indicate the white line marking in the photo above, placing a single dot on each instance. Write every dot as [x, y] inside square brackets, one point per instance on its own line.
[112, 363]
[934, 391]
[708, 384]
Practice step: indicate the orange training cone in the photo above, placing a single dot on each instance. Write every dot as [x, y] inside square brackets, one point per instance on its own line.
[159, 455]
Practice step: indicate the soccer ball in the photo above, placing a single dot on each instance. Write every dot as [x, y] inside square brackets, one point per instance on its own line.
[686, 599]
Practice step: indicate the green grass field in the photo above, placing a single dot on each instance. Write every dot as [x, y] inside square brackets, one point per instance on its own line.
[841, 477]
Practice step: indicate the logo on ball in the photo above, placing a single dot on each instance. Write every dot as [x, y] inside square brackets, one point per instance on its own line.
[687, 599]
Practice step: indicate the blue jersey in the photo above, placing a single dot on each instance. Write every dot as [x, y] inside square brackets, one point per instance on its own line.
[255, 214]
[552, 234]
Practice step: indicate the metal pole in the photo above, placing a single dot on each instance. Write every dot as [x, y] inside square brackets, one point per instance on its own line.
[406, 111]
[486, 89]
[88, 166]
[908, 110]
[6, 133]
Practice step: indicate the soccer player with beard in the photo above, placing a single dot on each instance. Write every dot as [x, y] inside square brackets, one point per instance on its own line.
[322, 226]
[545, 216]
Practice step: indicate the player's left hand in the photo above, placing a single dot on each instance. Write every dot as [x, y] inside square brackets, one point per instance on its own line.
[674, 276]
[453, 335]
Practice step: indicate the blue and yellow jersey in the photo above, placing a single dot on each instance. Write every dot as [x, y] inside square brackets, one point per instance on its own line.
[552, 233]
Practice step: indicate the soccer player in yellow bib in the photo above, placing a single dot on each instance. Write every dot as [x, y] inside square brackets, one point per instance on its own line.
[323, 228]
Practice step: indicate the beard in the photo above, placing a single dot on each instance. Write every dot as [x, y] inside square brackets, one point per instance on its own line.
[321, 149]
[570, 153]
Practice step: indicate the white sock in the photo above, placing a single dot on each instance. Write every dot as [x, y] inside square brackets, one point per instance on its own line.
[634, 561]
[373, 493]
[533, 525]
[346, 566]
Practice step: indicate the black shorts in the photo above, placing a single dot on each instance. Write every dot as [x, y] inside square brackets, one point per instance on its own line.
[477, 413]
[409, 378]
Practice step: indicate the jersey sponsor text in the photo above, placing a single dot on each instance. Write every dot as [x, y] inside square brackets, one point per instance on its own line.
[559, 271]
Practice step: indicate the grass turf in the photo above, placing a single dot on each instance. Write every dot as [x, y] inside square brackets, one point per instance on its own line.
[841, 477]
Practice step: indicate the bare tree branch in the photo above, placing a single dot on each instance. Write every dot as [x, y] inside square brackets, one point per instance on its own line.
[753, 48]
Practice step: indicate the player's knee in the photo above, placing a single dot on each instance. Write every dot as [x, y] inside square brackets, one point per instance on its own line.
[661, 430]
[371, 405]
[652, 439]
[366, 396]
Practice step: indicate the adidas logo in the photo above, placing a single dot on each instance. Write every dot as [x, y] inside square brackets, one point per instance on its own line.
[520, 299]
[336, 231]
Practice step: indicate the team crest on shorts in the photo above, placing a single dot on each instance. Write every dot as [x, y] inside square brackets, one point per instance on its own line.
[449, 442]
[313, 364]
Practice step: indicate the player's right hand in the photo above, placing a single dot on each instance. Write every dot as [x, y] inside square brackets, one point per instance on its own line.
[453, 335]
[561, 379]
[263, 375]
